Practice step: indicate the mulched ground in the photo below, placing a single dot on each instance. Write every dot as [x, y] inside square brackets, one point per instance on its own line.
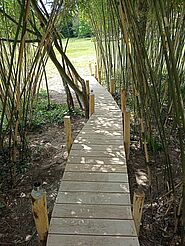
[47, 165]
[158, 227]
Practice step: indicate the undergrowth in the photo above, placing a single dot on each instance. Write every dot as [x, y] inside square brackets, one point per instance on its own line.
[50, 113]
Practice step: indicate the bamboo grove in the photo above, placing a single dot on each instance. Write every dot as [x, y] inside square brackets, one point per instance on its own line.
[28, 38]
[141, 43]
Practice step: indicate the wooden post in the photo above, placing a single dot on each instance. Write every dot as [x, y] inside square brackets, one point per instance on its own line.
[99, 76]
[112, 86]
[91, 103]
[40, 214]
[127, 133]
[90, 68]
[123, 100]
[138, 204]
[87, 87]
[68, 132]
[95, 71]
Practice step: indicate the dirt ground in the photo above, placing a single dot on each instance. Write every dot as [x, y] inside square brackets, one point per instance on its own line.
[47, 165]
[160, 225]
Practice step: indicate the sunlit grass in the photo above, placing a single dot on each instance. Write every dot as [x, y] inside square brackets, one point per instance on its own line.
[80, 52]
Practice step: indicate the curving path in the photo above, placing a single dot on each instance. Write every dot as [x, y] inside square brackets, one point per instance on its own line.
[93, 206]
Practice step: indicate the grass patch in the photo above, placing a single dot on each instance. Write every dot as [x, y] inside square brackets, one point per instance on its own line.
[80, 51]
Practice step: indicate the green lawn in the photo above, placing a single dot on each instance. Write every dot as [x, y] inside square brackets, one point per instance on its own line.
[80, 52]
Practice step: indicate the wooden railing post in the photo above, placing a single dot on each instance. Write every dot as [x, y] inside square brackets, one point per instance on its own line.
[127, 133]
[138, 204]
[123, 100]
[87, 87]
[99, 76]
[68, 132]
[90, 68]
[96, 71]
[112, 86]
[39, 210]
[91, 103]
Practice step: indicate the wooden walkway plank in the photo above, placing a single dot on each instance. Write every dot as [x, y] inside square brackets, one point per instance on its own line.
[92, 211]
[94, 141]
[100, 153]
[76, 240]
[102, 168]
[94, 186]
[102, 147]
[72, 226]
[109, 160]
[93, 206]
[95, 177]
[85, 197]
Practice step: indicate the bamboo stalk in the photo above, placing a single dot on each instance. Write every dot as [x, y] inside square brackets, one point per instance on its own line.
[39, 210]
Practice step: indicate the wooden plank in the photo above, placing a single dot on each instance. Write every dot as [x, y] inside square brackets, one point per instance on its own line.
[102, 147]
[102, 133]
[71, 226]
[96, 160]
[106, 126]
[103, 120]
[94, 186]
[111, 131]
[96, 168]
[81, 240]
[97, 141]
[100, 137]
[82, 197]
[94, 153]
[106, 114]
[92, 211]
[95, 177]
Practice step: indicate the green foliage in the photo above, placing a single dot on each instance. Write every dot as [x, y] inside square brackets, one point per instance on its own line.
[43, 94]
[76, 28]
[52, 114]
[84, 30]
[44, 114]
[154, 144]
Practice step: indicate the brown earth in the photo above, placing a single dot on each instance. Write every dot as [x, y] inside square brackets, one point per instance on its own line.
[47, 165]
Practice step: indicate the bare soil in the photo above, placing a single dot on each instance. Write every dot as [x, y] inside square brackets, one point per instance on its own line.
[47, 165]
[161, 218]
[160, 224]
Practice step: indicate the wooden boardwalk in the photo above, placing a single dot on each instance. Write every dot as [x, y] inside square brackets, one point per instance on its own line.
[93, 205]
